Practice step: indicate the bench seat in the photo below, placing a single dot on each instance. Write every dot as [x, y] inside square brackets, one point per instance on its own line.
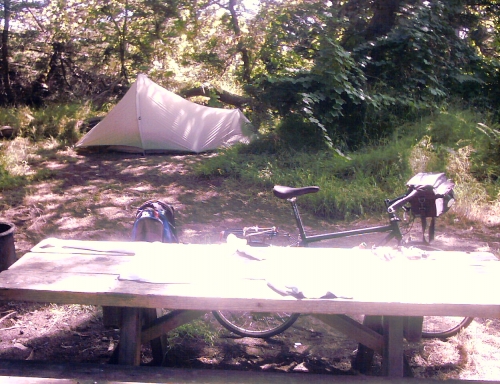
[42, 372]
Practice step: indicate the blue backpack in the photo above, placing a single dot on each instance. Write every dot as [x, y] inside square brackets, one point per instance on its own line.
[155, 221]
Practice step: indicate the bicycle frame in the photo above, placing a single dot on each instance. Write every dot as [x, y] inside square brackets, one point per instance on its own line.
[246, 324]
[392, 228]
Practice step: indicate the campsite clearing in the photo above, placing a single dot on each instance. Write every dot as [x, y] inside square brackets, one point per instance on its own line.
[95, 197]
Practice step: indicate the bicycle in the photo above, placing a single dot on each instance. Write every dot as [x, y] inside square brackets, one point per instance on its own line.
[264, 325]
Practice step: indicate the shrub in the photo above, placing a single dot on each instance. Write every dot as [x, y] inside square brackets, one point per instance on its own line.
[62, 122]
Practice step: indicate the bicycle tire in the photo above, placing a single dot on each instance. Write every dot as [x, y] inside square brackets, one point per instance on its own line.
[256, 324]
[443, 327]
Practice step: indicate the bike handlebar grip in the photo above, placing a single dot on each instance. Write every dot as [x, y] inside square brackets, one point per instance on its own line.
[399, 203]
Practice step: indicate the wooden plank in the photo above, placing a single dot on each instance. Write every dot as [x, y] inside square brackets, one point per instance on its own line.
[62, 279]
[55, 245]
[364, 356]
[129, 352]
[111, 316]
[392, 357]
[72, 263]
[159, 344]
[116, 265]
[173, 269]
[178, 256]
[249, 295]
[457, 291]
[28, 372]
[413, 328]
[354, 330]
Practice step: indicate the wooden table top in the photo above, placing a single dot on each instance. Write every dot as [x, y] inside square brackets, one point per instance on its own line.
[209, 277]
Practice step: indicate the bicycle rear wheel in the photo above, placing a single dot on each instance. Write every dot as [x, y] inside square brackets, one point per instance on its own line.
[442, 327]
[256, 324]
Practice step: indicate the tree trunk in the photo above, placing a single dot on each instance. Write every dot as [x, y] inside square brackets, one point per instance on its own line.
[123, 45]
[383, 19]
[224, 97]
[245, 58]
[7, 97]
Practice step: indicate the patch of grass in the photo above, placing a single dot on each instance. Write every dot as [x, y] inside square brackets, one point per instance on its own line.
[197, 329]
[63, 122]
[353, 186]
[350, 188]
[16, 163]
[459, 142]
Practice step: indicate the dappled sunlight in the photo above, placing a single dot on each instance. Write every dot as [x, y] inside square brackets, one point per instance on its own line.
[18, 155]
[71, 223]
[140, 170]
[35, 325]
[112, 212]
[142, 188]
[95, 196]
[206, 195]
[480, 343]
[54, 165]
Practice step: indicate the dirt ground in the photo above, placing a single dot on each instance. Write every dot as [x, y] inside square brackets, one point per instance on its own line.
[94, 196]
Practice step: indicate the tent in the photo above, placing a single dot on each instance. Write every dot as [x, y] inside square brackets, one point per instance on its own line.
[151, 119]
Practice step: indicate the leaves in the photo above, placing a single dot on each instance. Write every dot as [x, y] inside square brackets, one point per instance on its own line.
[338, 66]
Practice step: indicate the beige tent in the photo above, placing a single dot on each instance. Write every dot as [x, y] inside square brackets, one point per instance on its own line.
[151, 119]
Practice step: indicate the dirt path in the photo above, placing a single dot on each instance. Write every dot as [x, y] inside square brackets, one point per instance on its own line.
[95, 197]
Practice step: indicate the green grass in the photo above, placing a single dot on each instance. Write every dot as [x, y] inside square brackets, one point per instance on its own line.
[16, 158]
[62, 122]
[196, 329]
[462, 143]
[355, 185]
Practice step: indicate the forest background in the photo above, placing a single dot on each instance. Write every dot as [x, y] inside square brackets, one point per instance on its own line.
[355, 96]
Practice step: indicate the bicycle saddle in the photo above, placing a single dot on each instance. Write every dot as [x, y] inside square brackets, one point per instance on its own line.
[283, 192]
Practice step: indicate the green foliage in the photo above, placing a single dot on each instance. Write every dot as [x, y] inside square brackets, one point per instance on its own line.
[62, 121]
[16, 157]
[356, 185]
[349, 187]
[8, 181]
[197, 329]
[486, 161]
[319, 95]
[58, 126]
[358, 89]
[422, 60]
[298, 133]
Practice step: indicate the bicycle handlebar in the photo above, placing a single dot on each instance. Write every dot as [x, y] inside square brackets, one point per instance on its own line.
[400, 201]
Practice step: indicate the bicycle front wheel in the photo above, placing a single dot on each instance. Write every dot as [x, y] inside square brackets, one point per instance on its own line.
[442, 327]
[256, 324]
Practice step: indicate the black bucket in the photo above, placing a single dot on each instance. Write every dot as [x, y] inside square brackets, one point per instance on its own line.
[7, 248]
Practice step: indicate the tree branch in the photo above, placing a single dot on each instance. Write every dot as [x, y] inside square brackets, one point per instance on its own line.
[224, 97]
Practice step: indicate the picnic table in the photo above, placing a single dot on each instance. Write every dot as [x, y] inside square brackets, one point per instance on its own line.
[328, 283]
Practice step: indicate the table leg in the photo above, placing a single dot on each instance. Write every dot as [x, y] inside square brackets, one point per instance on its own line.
[129, 352]
[158, 344]
[413, 328]
[392, 359]
[364, 357]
